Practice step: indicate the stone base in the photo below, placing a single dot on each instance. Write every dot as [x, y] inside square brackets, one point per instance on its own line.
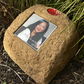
[54, 54]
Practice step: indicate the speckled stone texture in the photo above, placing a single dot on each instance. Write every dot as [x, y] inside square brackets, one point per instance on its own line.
[54, 54]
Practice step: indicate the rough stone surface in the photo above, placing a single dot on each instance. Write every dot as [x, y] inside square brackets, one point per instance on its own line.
[54, 54]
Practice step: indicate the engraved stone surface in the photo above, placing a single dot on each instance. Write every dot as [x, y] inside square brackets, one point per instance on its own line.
[54, 54]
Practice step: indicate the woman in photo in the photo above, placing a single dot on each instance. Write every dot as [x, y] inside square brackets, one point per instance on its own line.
[33, 34]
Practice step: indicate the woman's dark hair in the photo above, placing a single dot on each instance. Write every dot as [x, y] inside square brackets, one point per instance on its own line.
[32, 26]
[37, 36]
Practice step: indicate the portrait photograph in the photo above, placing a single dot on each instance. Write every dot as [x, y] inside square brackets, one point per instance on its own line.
[35, 31]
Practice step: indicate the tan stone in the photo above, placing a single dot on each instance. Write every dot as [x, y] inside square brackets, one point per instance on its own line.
[54, 54]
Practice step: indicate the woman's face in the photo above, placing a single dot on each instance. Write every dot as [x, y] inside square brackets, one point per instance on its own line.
[40, 27]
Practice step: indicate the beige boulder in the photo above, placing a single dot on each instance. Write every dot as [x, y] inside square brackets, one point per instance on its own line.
[54, 54]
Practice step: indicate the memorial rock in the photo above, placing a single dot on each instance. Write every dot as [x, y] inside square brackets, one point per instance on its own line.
[53, 55]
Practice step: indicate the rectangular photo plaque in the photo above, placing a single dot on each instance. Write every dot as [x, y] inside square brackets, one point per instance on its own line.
[35, 31]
